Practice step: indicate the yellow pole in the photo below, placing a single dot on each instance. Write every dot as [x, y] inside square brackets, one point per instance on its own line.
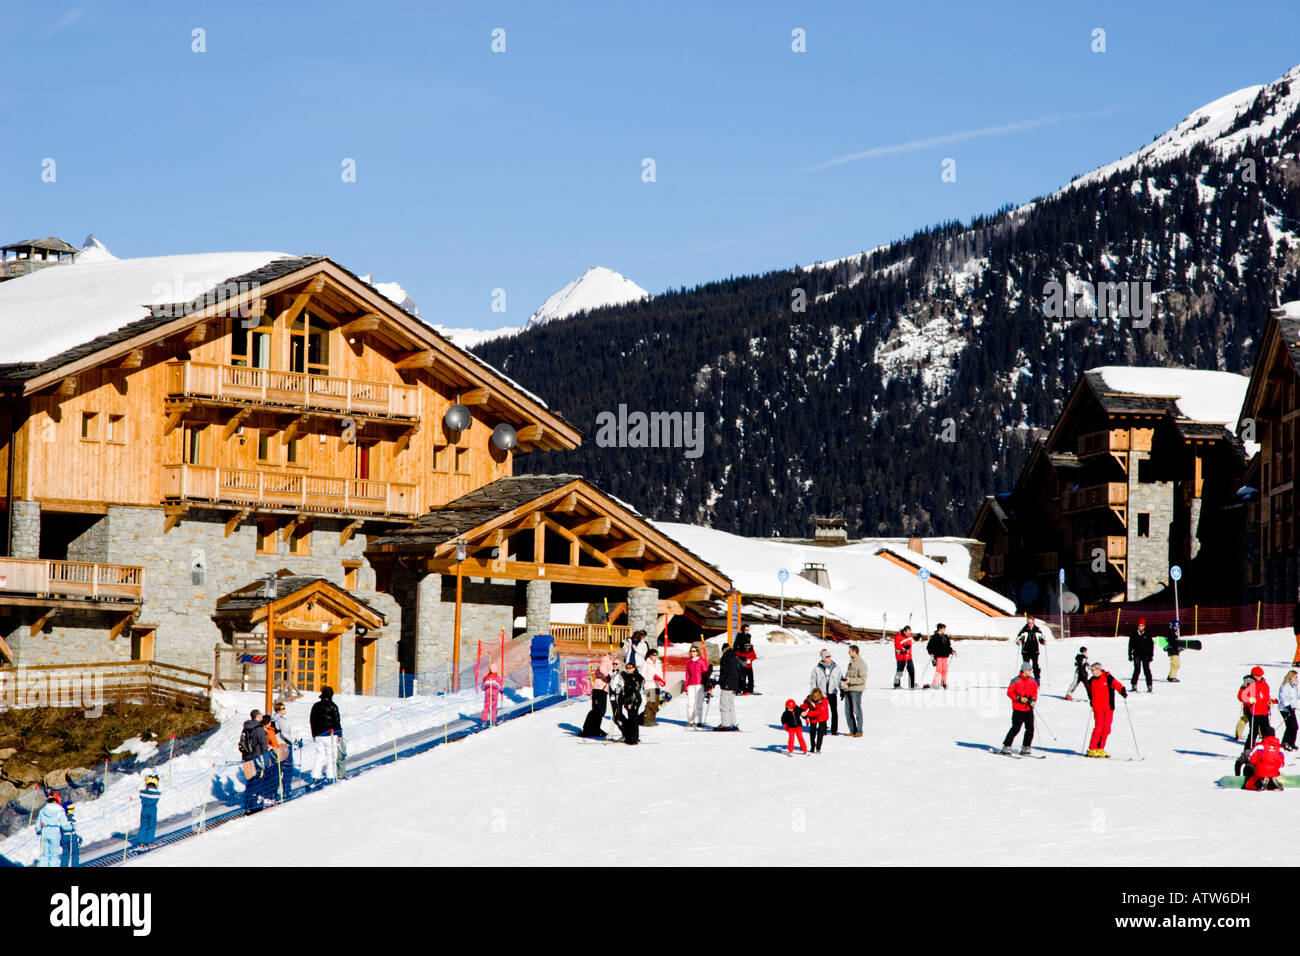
[1196, 620]
[1118, 612]
[1259, 605]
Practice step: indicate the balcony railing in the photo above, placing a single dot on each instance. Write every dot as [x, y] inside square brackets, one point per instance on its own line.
[1114, 546]
[76, 579]
[1112, 494]
[593, 635]
[279, 489]
[293, 389]
[1103, 442]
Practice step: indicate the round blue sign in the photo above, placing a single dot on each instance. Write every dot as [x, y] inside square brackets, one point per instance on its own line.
[1060, 575]
[783, 575]
[1175, 573]
[923, 574]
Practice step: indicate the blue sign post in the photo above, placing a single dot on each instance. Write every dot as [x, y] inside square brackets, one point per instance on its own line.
[924, 575]
[1176, 575]
[783, 575]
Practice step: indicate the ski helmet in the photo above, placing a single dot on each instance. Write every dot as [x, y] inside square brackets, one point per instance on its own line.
[1257, 671]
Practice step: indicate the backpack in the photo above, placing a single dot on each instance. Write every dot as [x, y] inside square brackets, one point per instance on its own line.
[246, 744]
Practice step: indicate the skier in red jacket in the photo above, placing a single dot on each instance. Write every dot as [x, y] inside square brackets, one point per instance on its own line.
[792, 721]
[1023, 692]
[1265, 764]
[1101, 688]
[1258, 699]
[903, 658]
[816, 711]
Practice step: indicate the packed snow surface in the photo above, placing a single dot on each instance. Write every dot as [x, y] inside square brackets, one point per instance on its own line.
[595, 288]
[61, 307]
[920, 788]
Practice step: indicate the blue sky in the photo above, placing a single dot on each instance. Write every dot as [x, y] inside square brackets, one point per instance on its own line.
[477, 170]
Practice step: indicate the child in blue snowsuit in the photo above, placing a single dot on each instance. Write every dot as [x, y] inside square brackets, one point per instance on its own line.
[71, 839]
[149, 797]
[51, 823]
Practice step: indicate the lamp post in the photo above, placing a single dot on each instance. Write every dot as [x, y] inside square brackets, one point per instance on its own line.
[462, 549]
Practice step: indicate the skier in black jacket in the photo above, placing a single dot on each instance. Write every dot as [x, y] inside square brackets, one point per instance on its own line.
[327, 734]
[939, 647]
[729, 685]
[1029, 638]
[253, 747]
[1080, 672]
[627, 705]
[1141, 648]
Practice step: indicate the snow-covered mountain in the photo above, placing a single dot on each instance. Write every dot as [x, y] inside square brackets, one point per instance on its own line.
[840, 409]
[594, 289]
[92, 250]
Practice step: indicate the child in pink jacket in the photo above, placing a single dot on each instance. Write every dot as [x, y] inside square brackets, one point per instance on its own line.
[492, 685]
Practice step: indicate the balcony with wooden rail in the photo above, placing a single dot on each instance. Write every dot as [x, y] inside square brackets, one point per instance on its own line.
[598, 637]
[1111, 494]
[294, 391]
[1114, 546]
[293, 491]
[40, 578]
[1106, 442]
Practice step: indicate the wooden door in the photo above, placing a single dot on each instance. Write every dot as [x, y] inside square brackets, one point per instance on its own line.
[364, 672]
[309, 661]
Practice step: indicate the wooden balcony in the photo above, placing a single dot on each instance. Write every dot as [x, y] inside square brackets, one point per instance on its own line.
[296, 491]
[598, 636]
[1046, 561]
[1111, 494]
[1114, 546]
[292, 390]
[70, 579]
[1103, 443]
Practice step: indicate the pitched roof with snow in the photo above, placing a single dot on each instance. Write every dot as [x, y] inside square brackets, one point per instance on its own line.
[1191, 395]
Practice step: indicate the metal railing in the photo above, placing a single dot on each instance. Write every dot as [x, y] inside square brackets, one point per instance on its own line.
[43, 577]
[296, 389]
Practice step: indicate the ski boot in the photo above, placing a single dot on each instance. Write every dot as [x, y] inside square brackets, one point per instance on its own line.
[1005, 750]
[1025, 751]
[1069, 697]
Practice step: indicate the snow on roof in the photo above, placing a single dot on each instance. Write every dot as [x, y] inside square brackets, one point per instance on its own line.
[866, 590]
[1214, 397]
[1289, 310]
[59, 308]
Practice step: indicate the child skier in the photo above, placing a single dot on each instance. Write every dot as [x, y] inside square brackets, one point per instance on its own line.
[816, 711]
[149, 796]
[1265, 764]
[1023, 691]
[1244, 721]
[51, 824]
[1080, 672]
[492, 685]
[745, 651]
[71, 839]
[792, 721]
[1258, 698]
[903, 659]
[1101, 689]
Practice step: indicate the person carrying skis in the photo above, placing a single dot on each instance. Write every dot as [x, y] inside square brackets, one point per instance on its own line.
[252, 748]
[854, 683]
[745, 652]
[1101, 688]
[492, 686]
[903, 641]
[1023, 691]
[1287, 696]
[653, 675]
[1265, 764]
[826, 677]
[792, 721]
[1141, 648]
[627, 706]
[149, 797]
[939, 647]
[1080, 672]
[51, 824]
[1174, 645]
[729, 683]
[697, 669]
[327, 732]
[815, 711]
[1030, 638]
[600, 676]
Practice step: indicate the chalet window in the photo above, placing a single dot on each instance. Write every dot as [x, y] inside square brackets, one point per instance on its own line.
[116, 433]
[264, 439]
[250, 346]
[367, 461]
[195, 447]
[238, 343]
[300, 540]
[266, 536]
[295, 452]
[309, 346]
[90, 426]
[350, 574]
[442, 458]
[1144, 524]
[462, 461]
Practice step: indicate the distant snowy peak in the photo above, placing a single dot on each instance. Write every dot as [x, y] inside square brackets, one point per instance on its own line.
[594, 289]
[92, 250]
[394, 293]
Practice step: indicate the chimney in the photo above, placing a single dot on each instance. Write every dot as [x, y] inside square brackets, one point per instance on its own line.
[914, 544]
[817, 574]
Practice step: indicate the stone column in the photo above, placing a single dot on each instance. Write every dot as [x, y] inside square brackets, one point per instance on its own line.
[538, 619]
[643, 610]
[27, 529]
[428, 599]
[348, 662]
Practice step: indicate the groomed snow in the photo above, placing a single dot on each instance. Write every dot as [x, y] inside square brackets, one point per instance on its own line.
[919, 789]
[61, 307]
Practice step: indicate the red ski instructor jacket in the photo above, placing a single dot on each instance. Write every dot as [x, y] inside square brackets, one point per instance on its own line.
[1022, 687]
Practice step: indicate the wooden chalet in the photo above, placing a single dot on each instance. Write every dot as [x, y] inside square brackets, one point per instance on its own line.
[1272, 410]
[1127, 483]
[173, 428]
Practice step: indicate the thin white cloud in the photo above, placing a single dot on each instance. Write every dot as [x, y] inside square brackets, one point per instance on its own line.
[914, 145]
[67, 20]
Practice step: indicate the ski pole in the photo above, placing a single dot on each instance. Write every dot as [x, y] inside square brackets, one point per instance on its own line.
[1038, 717]
[1131, 730]
[926, 671]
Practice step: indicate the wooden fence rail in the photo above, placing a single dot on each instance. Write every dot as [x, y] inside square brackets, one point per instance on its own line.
[94, 684]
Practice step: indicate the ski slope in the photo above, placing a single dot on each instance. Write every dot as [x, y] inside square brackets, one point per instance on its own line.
[919, 789]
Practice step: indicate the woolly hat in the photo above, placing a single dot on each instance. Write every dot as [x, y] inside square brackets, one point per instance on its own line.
[1026, 666]
[1257, 671]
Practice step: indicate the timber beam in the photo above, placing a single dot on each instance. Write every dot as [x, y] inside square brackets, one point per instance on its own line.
[532, 571]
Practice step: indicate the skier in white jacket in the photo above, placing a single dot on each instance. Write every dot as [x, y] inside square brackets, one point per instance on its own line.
[826, 677]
